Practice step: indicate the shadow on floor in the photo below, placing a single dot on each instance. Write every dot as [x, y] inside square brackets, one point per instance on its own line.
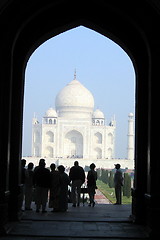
[104, 221]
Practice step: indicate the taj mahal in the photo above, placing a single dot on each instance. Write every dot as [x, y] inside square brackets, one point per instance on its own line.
[75, 130]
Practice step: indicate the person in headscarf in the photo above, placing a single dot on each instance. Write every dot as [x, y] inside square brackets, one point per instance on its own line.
[63, 196]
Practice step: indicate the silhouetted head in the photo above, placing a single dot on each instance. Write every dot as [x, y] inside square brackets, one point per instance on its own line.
[41, 161]
[76, 163]
[61, 169]
[30, 165]
[23, 162]
[117, 166]
[92, 166]
[42, 164]
[52, 166]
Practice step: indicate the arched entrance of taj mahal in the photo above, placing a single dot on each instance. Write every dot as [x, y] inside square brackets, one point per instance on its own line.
[132, 25]
[73, 146]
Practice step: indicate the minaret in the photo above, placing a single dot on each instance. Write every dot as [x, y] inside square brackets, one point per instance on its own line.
[34, 119]
[75, 74]
[130, 148]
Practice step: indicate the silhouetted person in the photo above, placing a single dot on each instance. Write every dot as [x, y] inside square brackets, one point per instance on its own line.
[63, 196]
[54, 188]
[77, 176]
[29, 186]
[91, 184]
[23, 170]
[42, 184]
[40, 161]
[118, 183]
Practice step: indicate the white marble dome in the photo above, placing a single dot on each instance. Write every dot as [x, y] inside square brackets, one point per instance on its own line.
[51, 113]
[74, 100]
[130, 115]
[98, 114]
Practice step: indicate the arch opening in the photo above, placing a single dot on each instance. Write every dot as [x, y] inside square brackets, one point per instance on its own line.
[99, 117]
[73, 147]
[38, 39]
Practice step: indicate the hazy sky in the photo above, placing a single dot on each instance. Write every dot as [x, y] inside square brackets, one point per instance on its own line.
[102, 66]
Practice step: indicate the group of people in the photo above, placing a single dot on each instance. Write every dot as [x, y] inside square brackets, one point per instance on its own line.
[39, 183]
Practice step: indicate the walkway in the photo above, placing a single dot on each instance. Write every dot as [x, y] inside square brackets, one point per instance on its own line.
[104, 221]
[100, 198]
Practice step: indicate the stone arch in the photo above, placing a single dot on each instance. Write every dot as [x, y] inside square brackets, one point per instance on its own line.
[110, 138]
[50, 136]
[50, 121]
[110, 153]
[98, 152]
[121, 23]
[73, 146]
[98, 138]
[49, 152]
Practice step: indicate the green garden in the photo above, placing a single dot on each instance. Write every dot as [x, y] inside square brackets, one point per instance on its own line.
[105, 184]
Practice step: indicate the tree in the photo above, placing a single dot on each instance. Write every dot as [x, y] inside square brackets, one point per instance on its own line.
[99, 173]
[127, 185]
[111, 179]
[104, 176]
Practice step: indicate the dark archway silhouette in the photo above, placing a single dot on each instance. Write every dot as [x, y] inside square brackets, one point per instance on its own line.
[25, 25]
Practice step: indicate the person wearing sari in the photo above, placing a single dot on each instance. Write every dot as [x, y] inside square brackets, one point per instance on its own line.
[63, 196]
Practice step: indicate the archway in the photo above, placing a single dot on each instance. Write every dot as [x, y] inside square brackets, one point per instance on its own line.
[49, 136]
[37, 23]
[98, 152]
[98, 138]
[73, 146]
[49, 152]
[70, 147]
[74, 150]
[110, 152]
[110, 138]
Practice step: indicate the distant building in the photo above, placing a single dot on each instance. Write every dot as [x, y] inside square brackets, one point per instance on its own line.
[75, 130]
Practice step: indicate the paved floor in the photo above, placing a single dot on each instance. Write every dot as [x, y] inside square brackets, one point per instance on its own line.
[101, 212]
[104, 221]
[101, 222]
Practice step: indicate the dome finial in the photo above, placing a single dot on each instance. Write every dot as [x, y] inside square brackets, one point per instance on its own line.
[75, 74]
